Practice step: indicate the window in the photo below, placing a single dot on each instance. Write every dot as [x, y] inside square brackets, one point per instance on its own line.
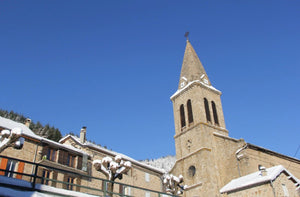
[147, 177]
[124, 190]
[147, 194]
[46, 175]
[285, 190]
[51, 155]
[71, 160]
[190, 112]
[127, 190]
[84, 162]
[104, 185]
[207, 112]
[215, 113]
[192, 171]
[10, 167]
[70, 183]
[182, 116]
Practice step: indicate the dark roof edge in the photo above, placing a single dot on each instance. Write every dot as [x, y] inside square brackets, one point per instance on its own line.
[255, 147]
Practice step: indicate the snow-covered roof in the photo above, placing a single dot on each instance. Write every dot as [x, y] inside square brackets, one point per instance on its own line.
[195, 82]
[256, 178]
[10, 124]
[110, 152]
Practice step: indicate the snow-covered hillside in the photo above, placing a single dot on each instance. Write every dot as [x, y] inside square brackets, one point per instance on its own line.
[165, 163]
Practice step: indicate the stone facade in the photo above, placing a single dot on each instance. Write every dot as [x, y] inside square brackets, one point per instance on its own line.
[74, 155]
[206, 156]
[140, 175]
[274, 181]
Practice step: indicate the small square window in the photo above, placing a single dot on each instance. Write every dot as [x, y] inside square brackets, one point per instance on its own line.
[147, 194]
[147, 177]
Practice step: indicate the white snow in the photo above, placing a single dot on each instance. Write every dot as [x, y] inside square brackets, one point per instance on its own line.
[256, 178]
[16, 127]
[5, 132]
[12, 181]
[10, 124]
[5, 191]
[165, 163]
[113, 153]
[184, 78]
[191, 83]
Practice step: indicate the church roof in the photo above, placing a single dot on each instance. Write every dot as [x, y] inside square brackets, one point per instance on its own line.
[256, 178]
[192, 68]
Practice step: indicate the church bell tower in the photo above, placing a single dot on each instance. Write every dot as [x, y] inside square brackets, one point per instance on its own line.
[198, 115]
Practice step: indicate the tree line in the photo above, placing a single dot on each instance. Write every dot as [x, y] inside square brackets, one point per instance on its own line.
[46, 131]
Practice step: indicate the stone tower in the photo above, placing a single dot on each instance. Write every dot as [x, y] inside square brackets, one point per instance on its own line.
[198, 115]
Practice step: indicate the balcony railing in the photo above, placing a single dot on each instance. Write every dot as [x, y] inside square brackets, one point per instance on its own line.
[87, 184]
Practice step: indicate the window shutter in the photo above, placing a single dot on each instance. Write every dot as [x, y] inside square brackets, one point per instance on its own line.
[66, 154]
[78, 182]
[60, 156]
[20, 170]
[45, 151]
[3, 165]
[79, 162]
[54, 177]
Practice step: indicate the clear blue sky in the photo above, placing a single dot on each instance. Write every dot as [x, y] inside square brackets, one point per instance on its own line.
[113, 65]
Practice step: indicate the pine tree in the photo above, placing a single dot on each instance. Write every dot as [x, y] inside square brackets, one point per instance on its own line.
[44, 131]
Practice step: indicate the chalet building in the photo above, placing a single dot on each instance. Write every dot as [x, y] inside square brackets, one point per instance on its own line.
[211, 162]
[141, 175]
[274, 181]
[37, 149]
[72, 159]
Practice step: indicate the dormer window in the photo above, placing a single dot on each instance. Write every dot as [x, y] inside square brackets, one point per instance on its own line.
[182, 84]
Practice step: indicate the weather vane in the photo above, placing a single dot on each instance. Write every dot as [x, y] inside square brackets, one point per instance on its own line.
[187, 35]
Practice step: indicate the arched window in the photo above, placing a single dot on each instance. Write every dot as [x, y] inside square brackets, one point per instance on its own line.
[206, 106]
[190, 112]
[182, 117]
[213, 105]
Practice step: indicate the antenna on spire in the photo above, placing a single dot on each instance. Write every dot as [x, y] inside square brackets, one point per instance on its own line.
[187, 35]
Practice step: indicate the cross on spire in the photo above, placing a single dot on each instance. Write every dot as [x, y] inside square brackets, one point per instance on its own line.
[187, 35]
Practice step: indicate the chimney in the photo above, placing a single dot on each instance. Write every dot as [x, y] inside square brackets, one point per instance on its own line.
[83, 135]
[27, 122]
[263, 171]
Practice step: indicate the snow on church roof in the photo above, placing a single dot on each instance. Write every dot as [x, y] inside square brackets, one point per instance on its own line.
[195, 82]
[110, 152]
[256, 178]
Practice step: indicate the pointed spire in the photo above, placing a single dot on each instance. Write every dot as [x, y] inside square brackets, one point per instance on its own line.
[192, 69]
